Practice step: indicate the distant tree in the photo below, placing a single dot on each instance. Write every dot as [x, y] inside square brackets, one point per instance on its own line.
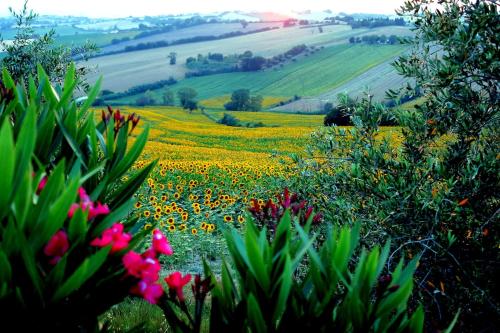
[247, 54]
[252, 64]
[187, 98]
[393, 39]
[168, 98]
[320, 29]
[173, 58]
[244, 24]
[106, 92]
[352, 40]
[229, 120]
[191, 105]
[255, 103]
[147, 99]
[242, 101]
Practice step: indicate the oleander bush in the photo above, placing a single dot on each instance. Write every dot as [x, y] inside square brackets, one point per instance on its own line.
[67, 187]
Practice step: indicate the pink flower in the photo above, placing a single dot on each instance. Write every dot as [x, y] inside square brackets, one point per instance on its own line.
[161, 244]
[113, 236]
[41, 185]
[144, 268]
[87, 205]
[98, 210]
[132, 262]
[176, 282]
[57, 246]
[151, 292]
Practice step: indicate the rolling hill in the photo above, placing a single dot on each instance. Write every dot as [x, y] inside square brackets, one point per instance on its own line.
[151, 65]
[319, 73]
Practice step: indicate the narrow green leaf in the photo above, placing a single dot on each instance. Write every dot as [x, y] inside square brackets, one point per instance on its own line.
[128, 189]
[25, 145]
[91, 97]
[255, 318]
[70, 140]
[85, 271]
[77, 228]
[8, 162]
[69, 85]
[257, 264]
[416, 324]
[453, 323]
[285, 283]
[131, 156]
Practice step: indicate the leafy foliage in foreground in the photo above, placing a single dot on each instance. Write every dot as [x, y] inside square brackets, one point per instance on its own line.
[286, 282]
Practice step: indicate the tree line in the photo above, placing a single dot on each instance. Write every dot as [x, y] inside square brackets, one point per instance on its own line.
[376, 22]
[163, 43]
[375, 39]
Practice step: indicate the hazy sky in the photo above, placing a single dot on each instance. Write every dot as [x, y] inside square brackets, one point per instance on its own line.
[122, 8]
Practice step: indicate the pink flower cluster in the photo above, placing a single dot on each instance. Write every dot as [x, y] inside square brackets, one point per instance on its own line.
[146, 268]
[87, 205]
[56, 247]
[58, 244]
[115, 237]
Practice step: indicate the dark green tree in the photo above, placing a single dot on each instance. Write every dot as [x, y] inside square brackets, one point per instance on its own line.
[187, 98]
[168, 98]
[242, 101]
[173, 58]
[27, 51]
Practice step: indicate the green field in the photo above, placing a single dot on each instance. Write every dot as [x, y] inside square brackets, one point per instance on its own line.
[212, 29]
[151, 65]
[311, 76]
[99, 38]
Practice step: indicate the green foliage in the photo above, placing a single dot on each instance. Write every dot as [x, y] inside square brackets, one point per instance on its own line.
[242, 101]
[172, 56]
[292, 283]
[229, 120]
[147, 99]
[432, 185]
[339, 114]
[46, 137]
[187, 98]
[26, 52]
[168, 98]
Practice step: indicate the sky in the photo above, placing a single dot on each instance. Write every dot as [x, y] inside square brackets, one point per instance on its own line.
[123, 8]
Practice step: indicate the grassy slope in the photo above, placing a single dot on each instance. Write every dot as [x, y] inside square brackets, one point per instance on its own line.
[122, 71]
[376, 81]
[313, 75]
[214, 29]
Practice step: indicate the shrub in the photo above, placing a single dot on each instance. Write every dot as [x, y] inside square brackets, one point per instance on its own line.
[26, 52]
[433, 184]
[67, 191]
[229, 120]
